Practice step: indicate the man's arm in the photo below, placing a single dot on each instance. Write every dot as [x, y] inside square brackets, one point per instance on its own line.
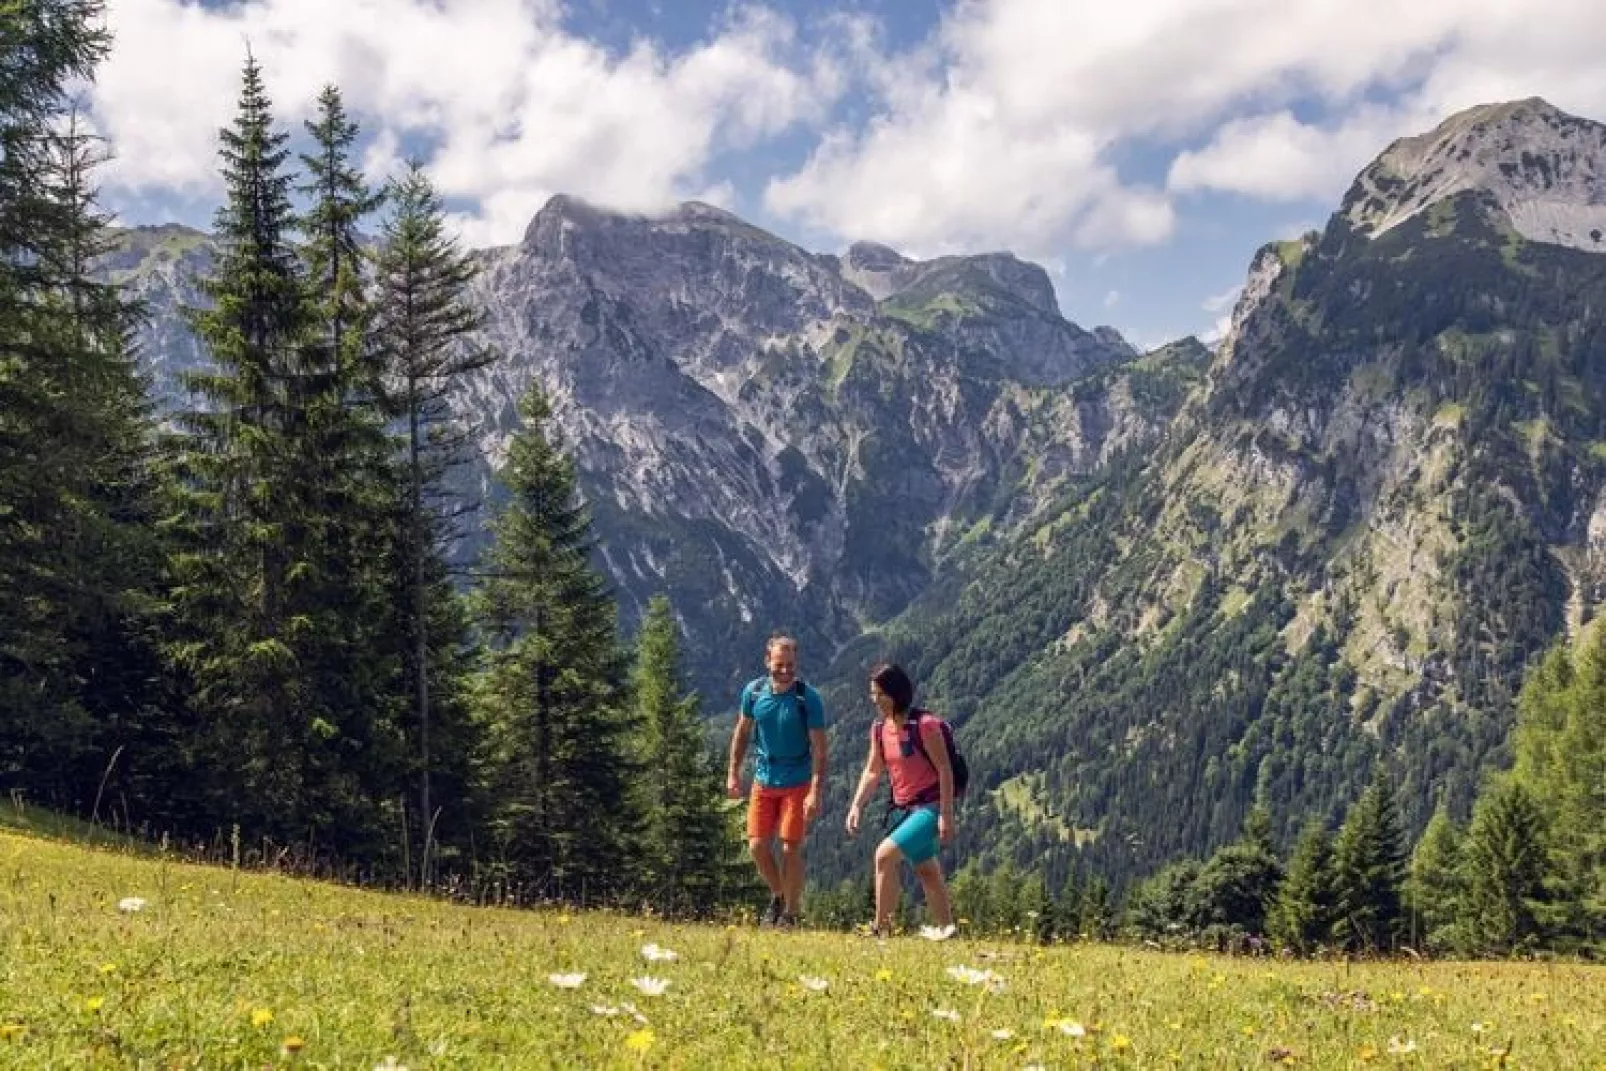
[817, 753]
[739, 740]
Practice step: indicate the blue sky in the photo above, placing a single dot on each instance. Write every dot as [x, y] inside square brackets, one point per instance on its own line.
[1140, 151]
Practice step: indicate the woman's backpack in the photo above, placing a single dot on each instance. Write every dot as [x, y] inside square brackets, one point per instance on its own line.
[956, 761]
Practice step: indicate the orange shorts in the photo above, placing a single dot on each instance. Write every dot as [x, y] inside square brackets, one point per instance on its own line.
[777, 809]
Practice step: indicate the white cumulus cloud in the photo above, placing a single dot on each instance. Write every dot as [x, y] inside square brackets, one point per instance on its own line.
[508, 104]
[1035, 125]
[1011, 125]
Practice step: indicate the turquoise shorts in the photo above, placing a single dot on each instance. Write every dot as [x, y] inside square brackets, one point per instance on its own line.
[916, 836]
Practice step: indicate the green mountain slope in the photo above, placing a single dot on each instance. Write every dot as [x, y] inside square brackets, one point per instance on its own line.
[1384, 497]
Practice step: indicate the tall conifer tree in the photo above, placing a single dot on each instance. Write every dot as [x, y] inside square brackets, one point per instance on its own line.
[1301, 918]
[424, 344]
[563, 773]
[1368, 872]
[1507, 866]
[1434, 888]
[690, 846]
[76, 670]
[248, 565]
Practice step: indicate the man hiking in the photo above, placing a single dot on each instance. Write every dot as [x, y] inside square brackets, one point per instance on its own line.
[784, 719]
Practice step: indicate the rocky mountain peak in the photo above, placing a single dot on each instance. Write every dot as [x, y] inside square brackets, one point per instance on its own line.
[873, 256]
[1545, 169]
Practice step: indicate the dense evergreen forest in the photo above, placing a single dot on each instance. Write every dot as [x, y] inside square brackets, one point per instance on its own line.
[237, 627]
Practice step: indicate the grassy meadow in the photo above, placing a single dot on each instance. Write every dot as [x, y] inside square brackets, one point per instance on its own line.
[219, 968]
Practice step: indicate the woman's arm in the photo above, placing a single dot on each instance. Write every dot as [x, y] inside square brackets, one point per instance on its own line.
[873, 765]
[936, 749]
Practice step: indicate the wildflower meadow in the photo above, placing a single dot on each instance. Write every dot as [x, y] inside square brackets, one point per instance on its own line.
[117, 958]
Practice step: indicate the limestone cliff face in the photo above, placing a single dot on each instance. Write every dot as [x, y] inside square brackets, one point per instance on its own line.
[1546, 169]
[777, 439]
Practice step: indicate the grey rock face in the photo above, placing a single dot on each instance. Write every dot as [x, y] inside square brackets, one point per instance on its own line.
[777, 439]
[1545, 168]
[757, 433]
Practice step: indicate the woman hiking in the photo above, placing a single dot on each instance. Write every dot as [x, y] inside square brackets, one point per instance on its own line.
[909, 744]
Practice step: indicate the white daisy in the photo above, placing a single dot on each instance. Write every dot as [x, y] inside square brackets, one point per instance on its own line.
[1401, 1048]
[938, 933]
[654, 954]
[945, 1013]
[604, 1009]
[652, 987]
[128, 905]
[813, 984]
[1074, 1030]
[1003, 1035]
[567, 981]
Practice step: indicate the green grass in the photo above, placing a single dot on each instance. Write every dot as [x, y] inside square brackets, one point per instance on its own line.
[226, 969]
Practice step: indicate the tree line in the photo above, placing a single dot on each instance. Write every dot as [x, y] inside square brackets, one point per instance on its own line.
[239, 623]
[1526, 873]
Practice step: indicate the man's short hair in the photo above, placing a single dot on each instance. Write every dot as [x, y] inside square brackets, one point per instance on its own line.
[780, 639]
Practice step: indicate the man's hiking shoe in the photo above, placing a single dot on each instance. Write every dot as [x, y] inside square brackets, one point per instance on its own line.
[772, 914]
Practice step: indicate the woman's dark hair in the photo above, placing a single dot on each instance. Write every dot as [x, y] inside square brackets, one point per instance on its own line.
[895, 684]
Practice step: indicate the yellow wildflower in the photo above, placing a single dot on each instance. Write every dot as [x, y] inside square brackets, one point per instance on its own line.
[1120, 1043]
[640, 1041]
[261, 1017]
[94, 1004]
[292, 1045]
[108, 968]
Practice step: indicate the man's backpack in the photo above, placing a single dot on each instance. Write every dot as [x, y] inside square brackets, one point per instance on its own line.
[956, 761]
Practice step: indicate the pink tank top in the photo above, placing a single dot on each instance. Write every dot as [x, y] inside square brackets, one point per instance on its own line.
[913, 776]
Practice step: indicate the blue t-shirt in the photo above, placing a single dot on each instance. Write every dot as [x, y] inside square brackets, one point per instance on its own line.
[781, 732]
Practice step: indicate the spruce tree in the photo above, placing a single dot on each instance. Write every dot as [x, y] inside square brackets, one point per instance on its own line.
[1003, 904]
[247, 561]
[1434, 887]
[1368, 872]
[109, 538]
[1095, 912]
[423, 332]
[354, 492]
[1302, 916]
[967, 892]
[1034, 908]
[1560, 745]
[77, 674]
[1506, 861]
[1238, 884]
[689, 846]
[561, 770]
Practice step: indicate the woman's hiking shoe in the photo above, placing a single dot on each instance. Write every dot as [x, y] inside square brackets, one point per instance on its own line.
[772, 914]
